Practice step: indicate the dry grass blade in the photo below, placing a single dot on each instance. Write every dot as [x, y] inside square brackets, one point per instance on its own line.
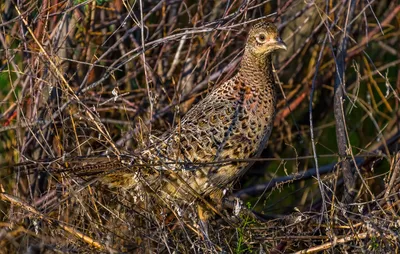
[85, 86]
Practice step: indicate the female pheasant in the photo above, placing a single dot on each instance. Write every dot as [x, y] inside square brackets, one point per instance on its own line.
[234, 121]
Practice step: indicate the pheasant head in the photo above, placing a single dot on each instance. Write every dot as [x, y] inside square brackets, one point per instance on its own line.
[263, 39]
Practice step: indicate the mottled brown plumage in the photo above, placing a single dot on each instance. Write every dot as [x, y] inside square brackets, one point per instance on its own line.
[234, 121]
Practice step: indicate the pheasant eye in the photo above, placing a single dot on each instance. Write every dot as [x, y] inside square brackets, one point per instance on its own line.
[261, 38]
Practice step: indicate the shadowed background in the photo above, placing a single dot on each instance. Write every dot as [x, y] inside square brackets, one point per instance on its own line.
[82, 78]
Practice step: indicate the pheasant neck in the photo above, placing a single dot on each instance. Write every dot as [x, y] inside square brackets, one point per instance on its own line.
[257, 71]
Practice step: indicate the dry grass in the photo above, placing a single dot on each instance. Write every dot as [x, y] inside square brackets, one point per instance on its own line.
[104, 77]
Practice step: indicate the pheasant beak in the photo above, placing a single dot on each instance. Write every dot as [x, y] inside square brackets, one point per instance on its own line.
[279, 44]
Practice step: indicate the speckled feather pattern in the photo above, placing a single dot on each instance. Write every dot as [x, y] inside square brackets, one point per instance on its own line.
[234, 121]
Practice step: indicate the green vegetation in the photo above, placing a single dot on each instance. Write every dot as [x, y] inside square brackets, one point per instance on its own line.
[75, 81]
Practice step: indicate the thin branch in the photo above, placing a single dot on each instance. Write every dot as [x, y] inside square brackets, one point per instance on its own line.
[342, 142]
